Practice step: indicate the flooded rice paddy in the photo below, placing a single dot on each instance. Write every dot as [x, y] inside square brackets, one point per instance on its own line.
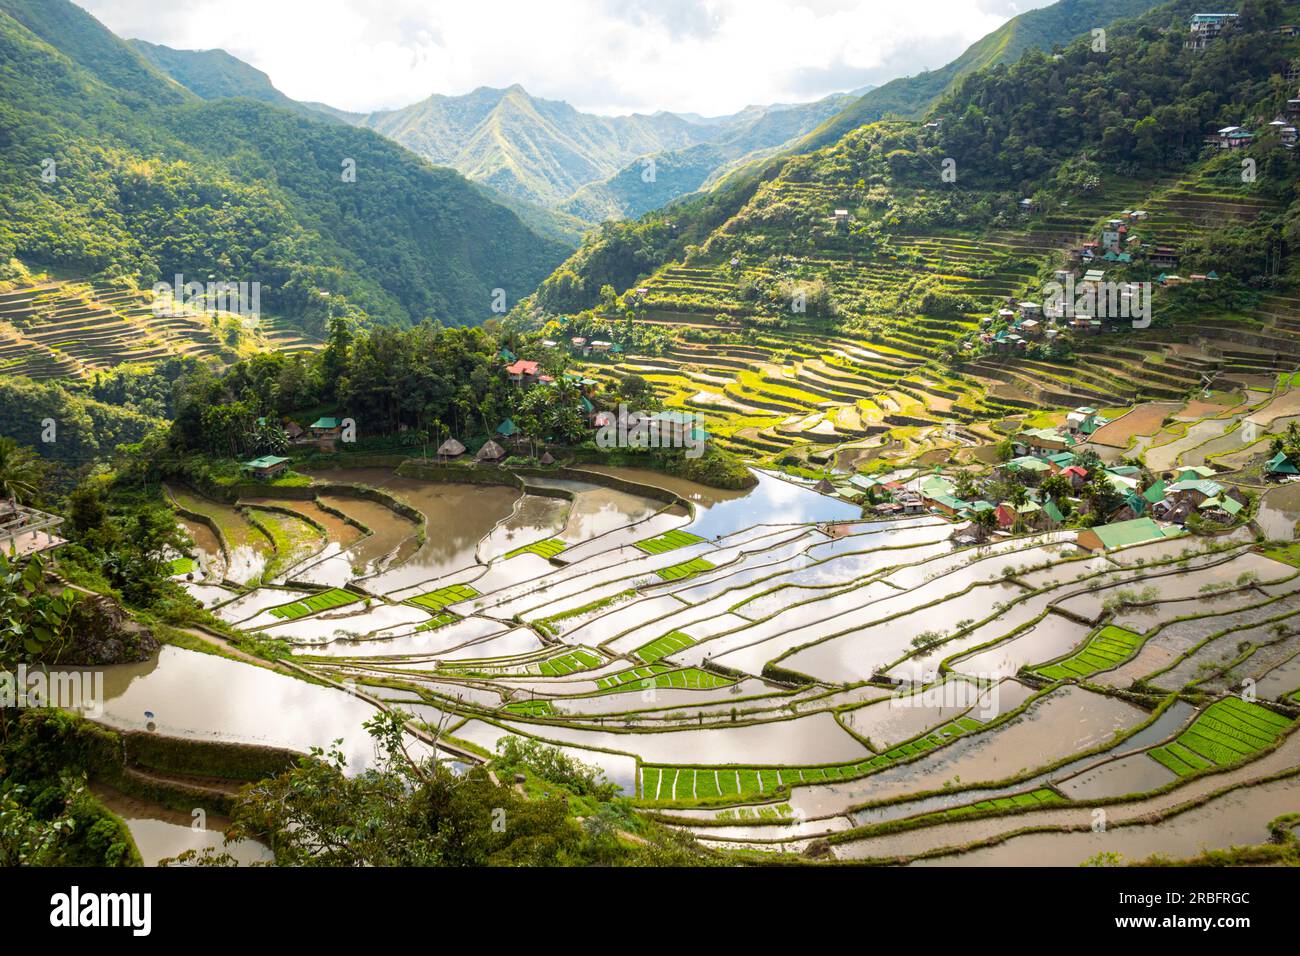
[629, 652]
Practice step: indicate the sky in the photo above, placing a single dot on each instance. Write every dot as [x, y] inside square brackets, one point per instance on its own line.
[603, 56]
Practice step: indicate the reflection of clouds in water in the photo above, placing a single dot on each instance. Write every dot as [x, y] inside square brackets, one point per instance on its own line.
[771, 501]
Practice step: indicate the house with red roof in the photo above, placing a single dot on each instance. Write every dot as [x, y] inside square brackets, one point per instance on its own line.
[523, 372]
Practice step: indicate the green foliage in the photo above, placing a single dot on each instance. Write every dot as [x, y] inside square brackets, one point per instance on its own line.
[47, 816]
[1225, 732]
[152, 181]
[35, 620]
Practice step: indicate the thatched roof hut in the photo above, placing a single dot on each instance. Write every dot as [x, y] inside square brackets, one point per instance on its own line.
[450, 449]
[490, 452]
[547, 458]
[824, 487]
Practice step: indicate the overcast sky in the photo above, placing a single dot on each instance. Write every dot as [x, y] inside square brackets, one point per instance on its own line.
[603, 56]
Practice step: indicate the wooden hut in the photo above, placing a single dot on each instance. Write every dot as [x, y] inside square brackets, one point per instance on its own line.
[547, 458]
[450, 449]
[490, 452]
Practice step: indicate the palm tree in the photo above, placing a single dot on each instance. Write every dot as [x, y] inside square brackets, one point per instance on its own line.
[20, 472]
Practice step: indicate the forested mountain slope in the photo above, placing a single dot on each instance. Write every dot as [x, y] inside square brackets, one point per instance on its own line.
[108, 168]
[617, 255]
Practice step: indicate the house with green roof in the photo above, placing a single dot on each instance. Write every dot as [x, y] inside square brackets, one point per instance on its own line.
[945, 504]
[1222, 509]
[508, 429]
[936, 485]
[1028, 463]
[1194, 490]
[1192, 472]
[1053, 513]
[1280, 464]
[268, 466]
[1155, 492]
[1133, 506]
[1122, 534]
[1043, 440]
[327, 427]
[865, 482]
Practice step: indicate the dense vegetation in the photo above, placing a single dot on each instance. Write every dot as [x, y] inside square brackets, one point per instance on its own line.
[412, 812]
[150, 181]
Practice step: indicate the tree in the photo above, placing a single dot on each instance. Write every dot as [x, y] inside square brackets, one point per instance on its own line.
[409, 811]
[20, 472]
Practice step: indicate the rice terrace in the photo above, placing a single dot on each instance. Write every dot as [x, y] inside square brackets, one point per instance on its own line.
[786, 518]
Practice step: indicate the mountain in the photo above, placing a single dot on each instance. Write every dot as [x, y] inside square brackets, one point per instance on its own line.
[1086, 133]
[587, 166]
[619, 256]
[739, 138]
[215, 74]
[559, 169]
[534, 149]
[1042, 29]
[151, 180]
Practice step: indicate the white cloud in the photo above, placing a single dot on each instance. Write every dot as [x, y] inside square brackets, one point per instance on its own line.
[606, 56]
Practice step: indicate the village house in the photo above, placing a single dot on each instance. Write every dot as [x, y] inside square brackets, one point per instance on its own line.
[450, 450]
[523, 372]
[1091, 279]
[1195, 491]
[1163, 257]
[328, 428]
[1076, 475]
[490, 453]
[1120, 535]
[945, 504]
[1223, 509]
[509, 432]
[1233, 137]
[1113, 235]
[1027, 466]
[1043, 441]
[1083, 420]
[1132, 506]
[1280, 466]
[1060, 461]
[841, 217]
[1205, 28]
[268, 466]
[910, 502]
